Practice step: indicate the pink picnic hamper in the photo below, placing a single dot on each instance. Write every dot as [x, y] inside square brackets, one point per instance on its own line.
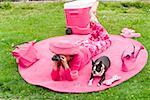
[77, 16]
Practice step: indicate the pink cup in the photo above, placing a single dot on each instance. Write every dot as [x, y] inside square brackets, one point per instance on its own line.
[74, 74]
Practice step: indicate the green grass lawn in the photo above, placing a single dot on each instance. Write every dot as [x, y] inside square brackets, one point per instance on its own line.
[26, 22]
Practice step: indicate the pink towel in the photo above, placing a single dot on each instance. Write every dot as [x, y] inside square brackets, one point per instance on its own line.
[40, 72]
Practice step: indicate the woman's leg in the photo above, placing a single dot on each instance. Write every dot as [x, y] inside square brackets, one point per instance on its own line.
[93, 12]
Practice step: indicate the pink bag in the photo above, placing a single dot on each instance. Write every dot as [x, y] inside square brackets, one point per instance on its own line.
[26, 54]
[129, 57]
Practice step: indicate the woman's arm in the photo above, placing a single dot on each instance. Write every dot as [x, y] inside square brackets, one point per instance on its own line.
[66, 68]
[55, 72]
[67, 71]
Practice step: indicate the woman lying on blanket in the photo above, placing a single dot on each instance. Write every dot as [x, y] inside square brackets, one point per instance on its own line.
[67, 60]
[73, 57]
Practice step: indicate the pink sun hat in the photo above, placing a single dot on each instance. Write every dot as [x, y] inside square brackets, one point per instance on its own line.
[64, 47]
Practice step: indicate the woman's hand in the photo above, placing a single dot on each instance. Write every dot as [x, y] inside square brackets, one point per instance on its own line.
[64, 61]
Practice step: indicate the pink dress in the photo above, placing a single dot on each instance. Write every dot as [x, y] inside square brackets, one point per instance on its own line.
[97, 42]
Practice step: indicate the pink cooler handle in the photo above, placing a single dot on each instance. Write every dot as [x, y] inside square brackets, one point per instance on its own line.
[73, 12]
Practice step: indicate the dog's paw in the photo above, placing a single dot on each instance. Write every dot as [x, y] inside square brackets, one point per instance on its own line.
[98, 85]
[90, 84]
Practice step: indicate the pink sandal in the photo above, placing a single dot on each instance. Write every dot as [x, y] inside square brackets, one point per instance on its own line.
[129, 33]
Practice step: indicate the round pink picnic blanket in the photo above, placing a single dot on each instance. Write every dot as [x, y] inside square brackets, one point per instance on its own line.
[40, 72]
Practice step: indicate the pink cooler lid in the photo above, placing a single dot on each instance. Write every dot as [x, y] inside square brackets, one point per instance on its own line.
[79, 4]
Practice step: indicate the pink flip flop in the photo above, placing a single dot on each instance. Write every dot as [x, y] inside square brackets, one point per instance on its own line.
[129, 33]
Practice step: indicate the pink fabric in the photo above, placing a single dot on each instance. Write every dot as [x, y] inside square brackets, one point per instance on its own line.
[40, 72]
[98, 41]
[55, 75]
[65, 76]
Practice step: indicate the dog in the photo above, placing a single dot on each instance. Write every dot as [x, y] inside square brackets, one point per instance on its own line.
[99, 68]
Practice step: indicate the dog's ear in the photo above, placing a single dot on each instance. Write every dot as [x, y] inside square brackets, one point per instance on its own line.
[93, 62]
[100, 63]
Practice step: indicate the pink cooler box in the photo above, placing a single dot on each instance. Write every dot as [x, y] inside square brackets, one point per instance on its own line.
[77, 16]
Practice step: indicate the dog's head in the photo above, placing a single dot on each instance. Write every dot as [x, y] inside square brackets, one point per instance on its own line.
[98, 68]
